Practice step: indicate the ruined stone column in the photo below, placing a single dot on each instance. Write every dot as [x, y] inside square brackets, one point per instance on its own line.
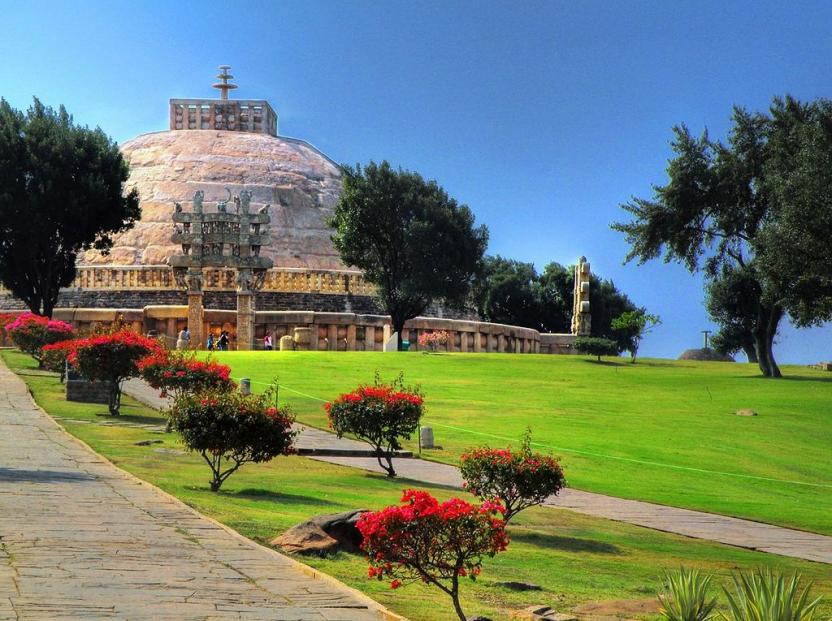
[195, 307]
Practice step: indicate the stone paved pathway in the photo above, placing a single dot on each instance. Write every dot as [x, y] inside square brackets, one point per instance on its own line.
[719, 528]
[81, 539]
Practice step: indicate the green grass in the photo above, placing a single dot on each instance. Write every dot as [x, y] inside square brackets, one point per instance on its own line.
[659, 430]
[575, 558]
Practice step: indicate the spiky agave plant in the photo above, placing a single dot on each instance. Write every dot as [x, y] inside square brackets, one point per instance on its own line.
[766, 596]
[685, 596]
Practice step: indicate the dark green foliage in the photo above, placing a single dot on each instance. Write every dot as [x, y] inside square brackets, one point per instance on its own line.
[596, 346]
[513, 293]
[732, 300]
[61, 191]
[413, 241]
[759, 205]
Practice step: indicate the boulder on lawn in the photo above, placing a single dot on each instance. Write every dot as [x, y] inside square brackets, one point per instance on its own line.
[323, 534]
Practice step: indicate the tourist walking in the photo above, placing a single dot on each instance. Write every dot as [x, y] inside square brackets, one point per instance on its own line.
[223, 342]
[210, 344]
[267, 342]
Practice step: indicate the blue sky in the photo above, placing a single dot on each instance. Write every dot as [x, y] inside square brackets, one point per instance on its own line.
[542, 116]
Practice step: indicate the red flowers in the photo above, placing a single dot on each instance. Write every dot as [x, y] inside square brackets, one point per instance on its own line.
[32, 332]
[178, 372]
[517, 479]
[379, 414]
[437, 543]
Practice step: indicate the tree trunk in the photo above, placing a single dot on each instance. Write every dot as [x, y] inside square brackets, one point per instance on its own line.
[398, 326]
[455, 598]
[750, 354]
[768, 319]
[115, 398]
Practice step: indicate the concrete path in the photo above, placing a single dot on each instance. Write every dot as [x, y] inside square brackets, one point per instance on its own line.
[719, 528]
[81, 539]
[697, 524]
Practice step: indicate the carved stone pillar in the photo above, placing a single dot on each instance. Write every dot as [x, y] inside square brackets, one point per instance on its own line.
[195, 307]
[245, 310]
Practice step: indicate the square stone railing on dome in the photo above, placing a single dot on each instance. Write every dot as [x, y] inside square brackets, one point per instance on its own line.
[288, 280]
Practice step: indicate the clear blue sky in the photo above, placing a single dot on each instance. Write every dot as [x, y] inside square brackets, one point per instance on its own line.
[543, 117]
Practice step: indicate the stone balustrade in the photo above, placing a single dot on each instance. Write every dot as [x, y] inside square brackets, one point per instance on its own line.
[160, 277]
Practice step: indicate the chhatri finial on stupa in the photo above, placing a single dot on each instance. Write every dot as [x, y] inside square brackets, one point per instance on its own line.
[224, 86]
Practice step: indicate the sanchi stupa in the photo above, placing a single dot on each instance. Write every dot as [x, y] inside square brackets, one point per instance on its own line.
[219, 152]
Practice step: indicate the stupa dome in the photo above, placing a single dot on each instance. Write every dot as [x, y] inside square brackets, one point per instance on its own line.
[299, 182]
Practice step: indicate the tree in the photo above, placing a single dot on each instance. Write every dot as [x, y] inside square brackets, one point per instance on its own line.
[732, 299]
[596, 346]
[505, 292]
[517, 479]
[635, 324]
[380, 415]
[111, 358]
[414, 242]
[759, 205]
[31, 333]
[62, 192]
[230, 429]
[435, 543]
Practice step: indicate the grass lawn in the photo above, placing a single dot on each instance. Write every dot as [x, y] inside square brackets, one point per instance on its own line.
[576, 559]
[659, 430]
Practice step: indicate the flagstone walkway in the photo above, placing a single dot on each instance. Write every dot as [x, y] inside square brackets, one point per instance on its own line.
[81, 539]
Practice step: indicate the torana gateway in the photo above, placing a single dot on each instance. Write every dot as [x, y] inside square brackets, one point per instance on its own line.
[225, 158]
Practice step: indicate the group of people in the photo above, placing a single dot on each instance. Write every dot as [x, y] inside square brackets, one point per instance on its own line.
[215, 344]
[221, 344]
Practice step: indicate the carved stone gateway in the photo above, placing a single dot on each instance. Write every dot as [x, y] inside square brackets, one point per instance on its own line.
[230, 237]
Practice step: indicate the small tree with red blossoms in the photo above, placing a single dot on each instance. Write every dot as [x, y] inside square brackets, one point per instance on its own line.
[517, 479]
[178, 372]
[30, 333]
[54, 356]
[380, 415]
[439, 544]
[111, 358]
[229, 429]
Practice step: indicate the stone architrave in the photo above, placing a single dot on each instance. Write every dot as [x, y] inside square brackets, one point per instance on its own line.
[225, 238]
[581, 314]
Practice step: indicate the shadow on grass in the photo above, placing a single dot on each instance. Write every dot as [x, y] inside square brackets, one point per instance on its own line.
[256, 493]
[566, 544]
[790, 378]
[606, 363]
[127, 417]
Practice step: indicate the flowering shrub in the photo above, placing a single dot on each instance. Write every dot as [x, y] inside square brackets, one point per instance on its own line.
[175, 373]
[432, 542]
[229, 429]
[432, 340]
[518, 479]
[111, 358]
[31, 332]
[379, 415]
[54, 356]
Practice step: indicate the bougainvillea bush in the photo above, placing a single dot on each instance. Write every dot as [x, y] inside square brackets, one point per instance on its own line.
[380, 415]
[111, 358]
[53, 357]
[518, 479]
[438, 544]
[229, 429]
[30, 333]
[177, 372]
[432, 340]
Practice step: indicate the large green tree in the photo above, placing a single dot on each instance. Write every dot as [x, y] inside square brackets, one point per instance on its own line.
[732, 299]
[759, 204]
[506, 292]
[61, 191]
[412, 240]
